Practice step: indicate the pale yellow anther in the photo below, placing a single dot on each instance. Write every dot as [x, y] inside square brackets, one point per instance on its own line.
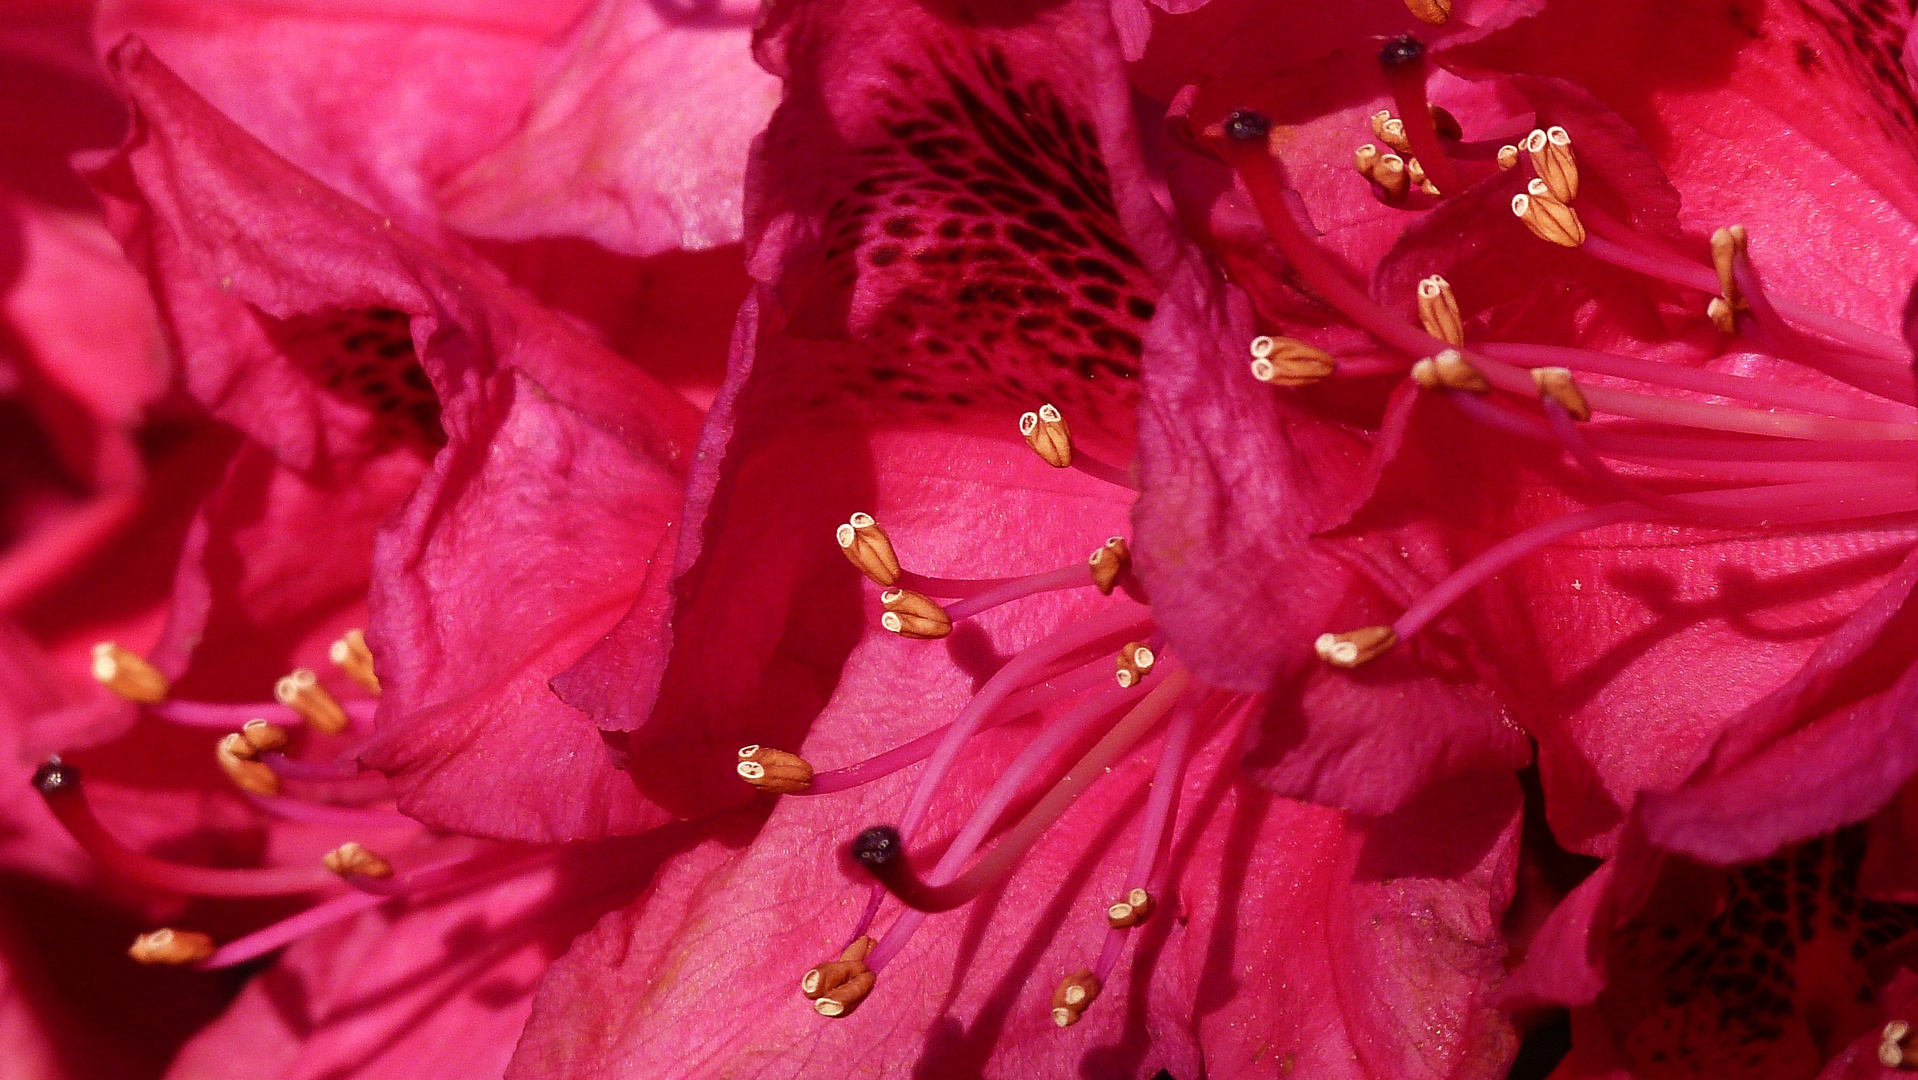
[169, 946]
[1377, 120]
[777, 771]
[1557, 384]
[1392, 134]
[1894, 1047]
[235, 755]
[353, 859]
[1449, 370]
[353, 657]
[1290, 362]
[838, 986]
[1507, 156]
[1262, 346]
[1389, 174]
[1108, 561]
[1550, 150]
[1438, 310]
[1723, 316]
[1046, 432]
[1353, 648]
[1548, 218]
[1415, 172]
[1365, 159]
[262, 736]
[913, 615]
[1076, 992]
[1430, 12]
[1134, 909]
[1728, 245]
[1134, 662]
[300, 690]
[127, 674]
[869, 548]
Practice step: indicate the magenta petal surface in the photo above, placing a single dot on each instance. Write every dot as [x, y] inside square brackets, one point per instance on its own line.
[635, 137]
[485, 591]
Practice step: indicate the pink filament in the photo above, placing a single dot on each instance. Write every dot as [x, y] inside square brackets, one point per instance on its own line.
[1016, 673]
[1103, 470]
[1503, 554]
[1021, 703]
[70, 806]
[1155, 832]
[293, 928]
[231, 717]
[1066, 577]
[1407, 80]
[1021, 837]
[1059, 733]
[314, 813]
[1704, 382]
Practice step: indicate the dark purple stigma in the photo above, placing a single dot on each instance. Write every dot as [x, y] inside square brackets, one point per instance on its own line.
[877, 846]
[1246, 125]
[54, 777]
[1400, 51]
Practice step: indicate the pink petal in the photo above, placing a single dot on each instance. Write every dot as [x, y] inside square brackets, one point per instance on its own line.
[485, 589]
[382, 101]
[636, 136]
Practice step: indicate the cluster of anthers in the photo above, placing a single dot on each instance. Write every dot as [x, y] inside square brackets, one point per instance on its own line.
[1100, 684]
[1661, 442]
[256, 755]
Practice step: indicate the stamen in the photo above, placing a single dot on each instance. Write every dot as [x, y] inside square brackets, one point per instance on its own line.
[1403, 59]
[1076, 992]
[869, 548]
[355, 659]
[913, 615]
[1555, 384]
[172, 947]
[1548, 218]
[1728, 244]
[1283, 361]
[300, 690]
[881, 850]
[1438, 310]
[774, 771]
[59, 785]
[1507, 156]
[1108, 561]
[1134, 908]
[236, 757]
[1046, 432]
[838, 986]
[128, 674]
[1355, 647]
[1431, 12]
[1550, 151]
[1894, 1047]
[353, 859]
[1134, 661]
[308, 812]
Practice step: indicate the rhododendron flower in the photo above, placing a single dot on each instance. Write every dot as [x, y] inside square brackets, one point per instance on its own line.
[958, 243]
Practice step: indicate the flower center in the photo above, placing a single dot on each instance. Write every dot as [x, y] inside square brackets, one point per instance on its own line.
[1658, 441]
